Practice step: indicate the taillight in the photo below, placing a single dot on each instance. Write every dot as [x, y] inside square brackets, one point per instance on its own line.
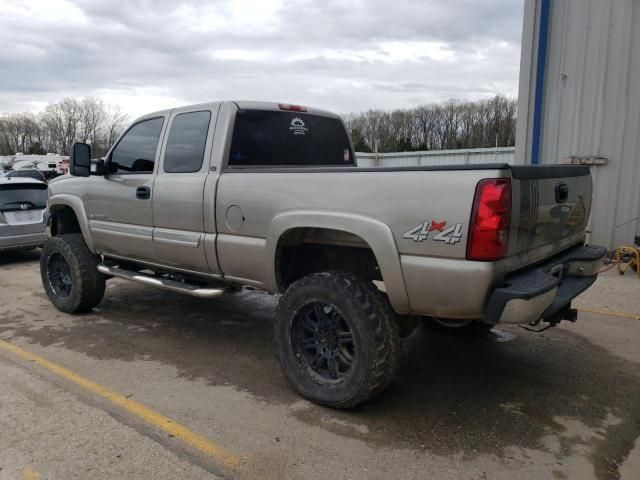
[292, 108]
[490, 220]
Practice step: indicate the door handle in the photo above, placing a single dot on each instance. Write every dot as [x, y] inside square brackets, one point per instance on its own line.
[562, 192]
[143, 193]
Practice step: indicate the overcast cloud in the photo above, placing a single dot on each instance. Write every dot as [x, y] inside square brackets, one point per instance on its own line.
[340, 55]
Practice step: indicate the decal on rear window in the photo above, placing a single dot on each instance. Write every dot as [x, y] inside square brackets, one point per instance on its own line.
[298, 127]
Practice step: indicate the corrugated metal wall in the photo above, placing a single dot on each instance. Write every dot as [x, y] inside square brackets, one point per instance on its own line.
[591, 104]
[437, 157]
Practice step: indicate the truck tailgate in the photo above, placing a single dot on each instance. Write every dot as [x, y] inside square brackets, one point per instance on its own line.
[550, 210]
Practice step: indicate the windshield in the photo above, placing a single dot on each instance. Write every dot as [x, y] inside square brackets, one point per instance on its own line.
[265, 138]
[12, 196]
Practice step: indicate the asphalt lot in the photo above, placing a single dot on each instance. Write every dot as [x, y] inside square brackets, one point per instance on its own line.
[561, 404]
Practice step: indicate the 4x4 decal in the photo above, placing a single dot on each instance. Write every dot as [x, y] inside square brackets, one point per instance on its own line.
[449, 235]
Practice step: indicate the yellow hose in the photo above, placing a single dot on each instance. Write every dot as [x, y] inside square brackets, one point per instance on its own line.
[633, 264]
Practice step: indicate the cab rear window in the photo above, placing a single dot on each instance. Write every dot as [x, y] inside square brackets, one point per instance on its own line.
[265, 138]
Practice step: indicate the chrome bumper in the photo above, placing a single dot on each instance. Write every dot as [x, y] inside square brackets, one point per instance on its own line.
[546, 290]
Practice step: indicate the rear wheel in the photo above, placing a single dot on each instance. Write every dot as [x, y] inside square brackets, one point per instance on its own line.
[473, 328]
[70, 274]
[337, 339]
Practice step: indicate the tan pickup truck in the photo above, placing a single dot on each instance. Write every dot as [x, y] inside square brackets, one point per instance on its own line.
[207, 198]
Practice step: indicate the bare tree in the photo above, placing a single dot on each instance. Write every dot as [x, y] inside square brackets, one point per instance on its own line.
[10, 130]
[115, 122]
[19, 133]
[448, 125]
[93, 117]
[63, 120]
[60, 125]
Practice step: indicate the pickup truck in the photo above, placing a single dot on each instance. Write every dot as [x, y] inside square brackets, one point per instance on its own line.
[208, 198]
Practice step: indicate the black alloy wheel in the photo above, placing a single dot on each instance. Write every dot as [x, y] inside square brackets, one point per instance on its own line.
[323, 341]
[59, 275]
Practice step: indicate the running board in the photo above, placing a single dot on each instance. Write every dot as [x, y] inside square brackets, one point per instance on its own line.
[164, 283]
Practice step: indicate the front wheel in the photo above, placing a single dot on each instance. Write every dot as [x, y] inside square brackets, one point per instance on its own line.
[70, 274]
[337, 339]
[473, 328]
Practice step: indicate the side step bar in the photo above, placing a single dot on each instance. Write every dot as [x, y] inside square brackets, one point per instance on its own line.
[164, 283]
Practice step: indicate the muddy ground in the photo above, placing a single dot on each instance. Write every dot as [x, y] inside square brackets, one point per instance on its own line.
[560, 404]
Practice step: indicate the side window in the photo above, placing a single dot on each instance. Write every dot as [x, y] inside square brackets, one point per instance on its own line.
[136, 152]
[185, 145]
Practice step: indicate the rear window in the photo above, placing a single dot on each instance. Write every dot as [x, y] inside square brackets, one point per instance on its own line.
[13, 196]
[264, 138]
[35, 174]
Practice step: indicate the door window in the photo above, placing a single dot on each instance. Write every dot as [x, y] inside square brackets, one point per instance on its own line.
[136, 152]
[186, 142]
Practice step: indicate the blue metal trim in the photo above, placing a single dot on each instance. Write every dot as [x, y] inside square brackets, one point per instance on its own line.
[545, 7]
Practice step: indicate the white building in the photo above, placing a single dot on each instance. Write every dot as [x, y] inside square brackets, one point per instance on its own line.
[579, 101]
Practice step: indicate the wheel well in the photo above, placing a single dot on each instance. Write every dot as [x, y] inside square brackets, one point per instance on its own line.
[303, 251]
[63, 220]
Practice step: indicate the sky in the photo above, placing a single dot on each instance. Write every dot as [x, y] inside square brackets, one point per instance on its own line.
[345, 56]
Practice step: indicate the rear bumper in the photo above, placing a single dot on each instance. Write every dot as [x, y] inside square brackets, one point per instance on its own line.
[9, 242]
[546, 290]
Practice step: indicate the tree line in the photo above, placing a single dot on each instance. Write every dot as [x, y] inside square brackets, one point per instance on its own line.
[447, 125]
[437, 126]
[55, 129]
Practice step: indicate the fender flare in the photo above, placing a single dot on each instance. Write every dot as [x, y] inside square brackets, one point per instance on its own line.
[375, 233]
[73, 202]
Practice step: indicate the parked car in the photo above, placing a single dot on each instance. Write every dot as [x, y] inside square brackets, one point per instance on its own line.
[205, 198]
[22, 204]
[25, 173]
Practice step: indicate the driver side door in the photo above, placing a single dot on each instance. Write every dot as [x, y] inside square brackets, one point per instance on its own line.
[119, 204]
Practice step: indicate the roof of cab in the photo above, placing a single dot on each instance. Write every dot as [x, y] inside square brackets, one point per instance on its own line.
[243, 104]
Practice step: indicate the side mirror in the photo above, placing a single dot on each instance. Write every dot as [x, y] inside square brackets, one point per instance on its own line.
[80, 160]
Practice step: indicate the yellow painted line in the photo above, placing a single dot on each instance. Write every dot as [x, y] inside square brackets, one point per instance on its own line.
[217, 452]
[30, 474]
[632, 316]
